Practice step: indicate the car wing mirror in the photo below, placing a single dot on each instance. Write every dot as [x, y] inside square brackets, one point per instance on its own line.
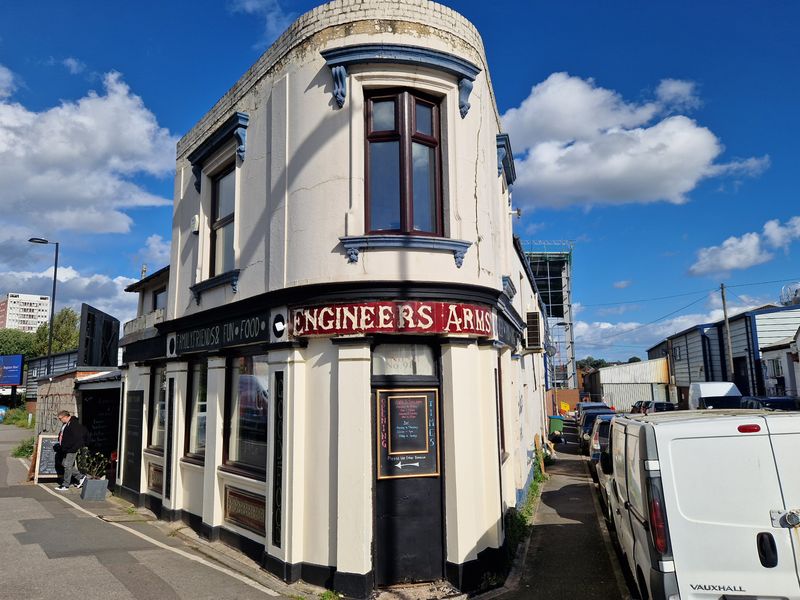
[605, 463]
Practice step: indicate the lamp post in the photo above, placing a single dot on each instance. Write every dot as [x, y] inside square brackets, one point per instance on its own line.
[36, 240]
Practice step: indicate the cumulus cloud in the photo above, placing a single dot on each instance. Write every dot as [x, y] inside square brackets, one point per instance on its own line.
[71, 167]
[7, 82]
[106, 293]
[621, 285]
[276, 19]
[579, 143]
[155, 253]
[73, 65]
[747, 250]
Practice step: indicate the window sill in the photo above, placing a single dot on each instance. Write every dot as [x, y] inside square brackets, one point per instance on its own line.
[194, 461]
[159, 452]
[241, 472]
[231, 277]
[354, 244]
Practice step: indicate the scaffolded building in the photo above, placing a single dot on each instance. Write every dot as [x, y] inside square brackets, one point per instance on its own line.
[551, 263]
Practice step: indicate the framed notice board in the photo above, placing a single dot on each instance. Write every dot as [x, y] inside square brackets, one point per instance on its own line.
[46, 467]
[407, 433]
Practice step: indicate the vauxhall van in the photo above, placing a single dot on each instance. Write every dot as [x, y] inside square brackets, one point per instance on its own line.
[706, 504]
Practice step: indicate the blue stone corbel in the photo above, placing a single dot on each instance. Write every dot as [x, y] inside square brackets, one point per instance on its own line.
[501, 156]
[505, 158]
[240, 133]
[197, 171]
[459, 255]
[464, 90]
[339, 73]
[352, 254]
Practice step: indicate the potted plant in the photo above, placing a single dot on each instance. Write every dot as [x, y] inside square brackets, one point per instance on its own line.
[94, 465]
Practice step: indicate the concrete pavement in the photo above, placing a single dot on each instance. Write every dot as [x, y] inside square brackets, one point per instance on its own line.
[53, 545]
[569, 554]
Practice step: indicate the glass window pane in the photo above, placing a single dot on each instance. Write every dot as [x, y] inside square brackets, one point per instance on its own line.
[424, 119]
[159, 404]
[225, 190]
[197, 430]
[383, 115]
[424, 178]
[403, 359]
[384, 185]
[247, 444]
[223, 251]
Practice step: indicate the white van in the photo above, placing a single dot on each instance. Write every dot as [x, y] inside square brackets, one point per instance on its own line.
[714, 394]
[706, 504]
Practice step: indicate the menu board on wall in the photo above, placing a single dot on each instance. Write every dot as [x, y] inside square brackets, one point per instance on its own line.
[408, 433]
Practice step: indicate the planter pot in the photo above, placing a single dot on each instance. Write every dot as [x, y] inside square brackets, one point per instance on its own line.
[94, 490]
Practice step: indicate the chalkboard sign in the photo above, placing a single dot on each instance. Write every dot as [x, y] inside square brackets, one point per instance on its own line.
[46, 458]
[408, 433]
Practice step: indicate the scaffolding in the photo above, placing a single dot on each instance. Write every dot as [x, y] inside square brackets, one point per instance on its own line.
[551, 263]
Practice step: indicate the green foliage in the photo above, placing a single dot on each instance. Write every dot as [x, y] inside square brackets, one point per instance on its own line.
[13, 341]
[66, 326]
[634, 359]
[330, 595]
[25, 448]
[93, 464]
[592, 363]
[19, 417]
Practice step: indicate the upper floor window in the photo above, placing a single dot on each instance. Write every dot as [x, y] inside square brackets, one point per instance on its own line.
[160, 298]
[403, 164]
[222, 213]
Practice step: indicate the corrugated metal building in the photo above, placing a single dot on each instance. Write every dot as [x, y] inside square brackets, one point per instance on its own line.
[622, 385]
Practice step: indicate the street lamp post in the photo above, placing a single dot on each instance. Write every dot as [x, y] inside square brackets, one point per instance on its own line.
[35, 240]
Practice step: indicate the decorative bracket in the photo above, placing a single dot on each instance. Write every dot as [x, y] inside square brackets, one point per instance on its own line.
[338, 59]
[230, 277]
[509, 289]
[235, 126]
[240, 133]
[505, 158]
[197, 171]
[354, 244]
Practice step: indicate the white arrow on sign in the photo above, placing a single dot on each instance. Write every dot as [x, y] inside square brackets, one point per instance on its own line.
[401, 464]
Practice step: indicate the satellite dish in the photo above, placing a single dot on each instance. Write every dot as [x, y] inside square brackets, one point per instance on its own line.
[551, 350]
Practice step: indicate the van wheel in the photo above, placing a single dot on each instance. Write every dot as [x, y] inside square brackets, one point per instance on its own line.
[642, 585]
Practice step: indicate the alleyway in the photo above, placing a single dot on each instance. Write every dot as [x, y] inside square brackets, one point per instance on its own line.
[51, 549]
[568, 556]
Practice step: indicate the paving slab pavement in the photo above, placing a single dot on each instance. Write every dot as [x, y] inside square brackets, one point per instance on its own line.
[569, 554]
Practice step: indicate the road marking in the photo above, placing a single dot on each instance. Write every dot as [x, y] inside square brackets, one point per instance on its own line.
[177, 551]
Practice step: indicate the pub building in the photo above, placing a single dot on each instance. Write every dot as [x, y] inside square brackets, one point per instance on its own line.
[347, 375]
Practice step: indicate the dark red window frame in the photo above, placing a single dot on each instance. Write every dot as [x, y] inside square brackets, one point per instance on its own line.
[405, 132]
[218, 221]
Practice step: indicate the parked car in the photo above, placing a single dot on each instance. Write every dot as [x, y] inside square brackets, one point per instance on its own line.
[771, 402]
[598, 441]
[582, 406]
[705, 502]
[638, 406]
[585, 426]
[714, 394]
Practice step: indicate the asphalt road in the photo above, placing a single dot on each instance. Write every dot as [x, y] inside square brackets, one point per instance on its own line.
[51, 549]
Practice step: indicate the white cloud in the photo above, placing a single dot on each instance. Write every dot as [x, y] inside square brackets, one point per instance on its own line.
[155, 253]
[276, 20]
[578, 143]
[678, 93]
[620, 309]
[621, 285]
[73, 65]
[71, 167]
[7, 82]
[747, 250]
[73, 288]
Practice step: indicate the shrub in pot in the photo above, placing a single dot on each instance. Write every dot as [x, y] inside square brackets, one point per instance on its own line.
[94, 465]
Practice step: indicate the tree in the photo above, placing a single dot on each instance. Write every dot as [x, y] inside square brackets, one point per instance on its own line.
[66, 325]
[634, 359]
[13, 341]
[592, 363]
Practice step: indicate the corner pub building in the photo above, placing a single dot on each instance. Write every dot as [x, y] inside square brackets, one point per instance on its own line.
[349, 376]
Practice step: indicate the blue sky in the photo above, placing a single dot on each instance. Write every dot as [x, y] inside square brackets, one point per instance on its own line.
[660, 136]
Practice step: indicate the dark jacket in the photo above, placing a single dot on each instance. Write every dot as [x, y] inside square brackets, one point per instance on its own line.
[74, 437]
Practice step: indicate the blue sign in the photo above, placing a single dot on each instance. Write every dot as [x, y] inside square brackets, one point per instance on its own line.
[11, 369]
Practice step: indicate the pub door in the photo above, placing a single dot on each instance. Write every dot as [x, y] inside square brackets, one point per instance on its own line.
[408, 491]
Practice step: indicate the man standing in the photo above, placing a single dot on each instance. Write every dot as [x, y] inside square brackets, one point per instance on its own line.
[71, 438]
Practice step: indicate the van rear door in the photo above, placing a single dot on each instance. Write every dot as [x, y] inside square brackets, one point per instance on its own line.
[720, 484]
[784, 432]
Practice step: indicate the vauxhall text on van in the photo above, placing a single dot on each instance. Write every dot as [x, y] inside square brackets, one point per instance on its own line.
[706, 504]
[714, 394]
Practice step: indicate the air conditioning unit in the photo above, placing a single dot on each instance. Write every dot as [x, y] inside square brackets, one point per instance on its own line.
[533, 332]
[172, 345]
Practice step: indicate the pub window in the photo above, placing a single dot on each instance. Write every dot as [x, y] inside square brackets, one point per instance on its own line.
[247, 409]
[158, 407]
[222, 221]
[196, 410]
[403, 359]
[403, 164]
